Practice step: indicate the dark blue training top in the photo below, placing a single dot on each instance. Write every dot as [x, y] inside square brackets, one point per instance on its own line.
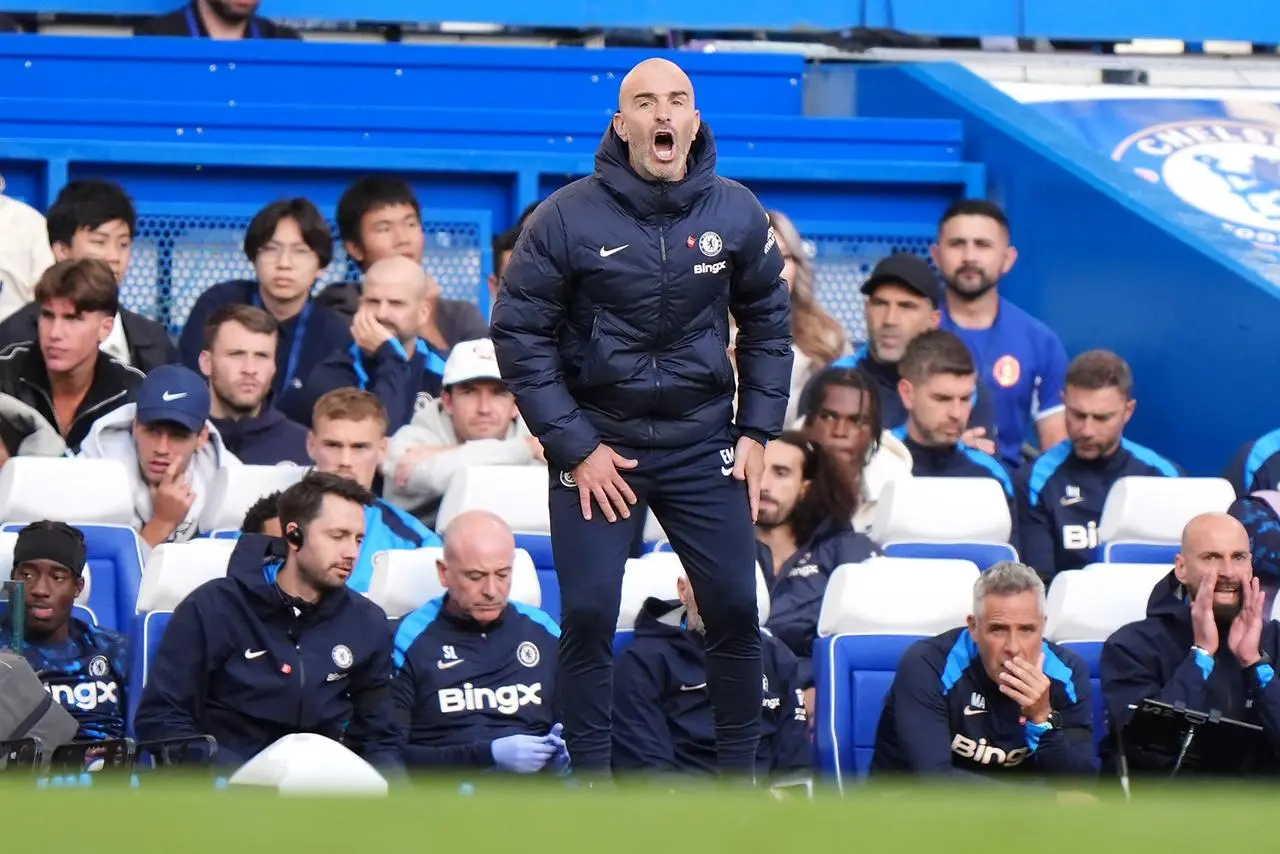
[87, 675]
[662, 718]
[1060, 500]
[945, 716]
[459, 685]
[1256, 466]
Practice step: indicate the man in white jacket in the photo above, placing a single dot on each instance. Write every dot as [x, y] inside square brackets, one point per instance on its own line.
[474, 423]
[170, 450]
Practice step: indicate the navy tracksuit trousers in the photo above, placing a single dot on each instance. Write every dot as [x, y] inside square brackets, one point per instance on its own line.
[706, 515]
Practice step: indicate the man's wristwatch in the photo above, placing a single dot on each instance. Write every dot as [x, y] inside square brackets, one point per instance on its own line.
[1054, 721]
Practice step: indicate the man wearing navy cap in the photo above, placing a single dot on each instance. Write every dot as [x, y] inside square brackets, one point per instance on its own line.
[903, 299]
[177, 452]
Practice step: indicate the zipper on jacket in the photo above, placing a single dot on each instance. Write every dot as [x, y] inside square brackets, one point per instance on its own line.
[52, 417]
[662, 313]
[302, 670]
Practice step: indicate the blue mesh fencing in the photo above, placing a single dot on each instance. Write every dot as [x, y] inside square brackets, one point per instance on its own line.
[176, 256]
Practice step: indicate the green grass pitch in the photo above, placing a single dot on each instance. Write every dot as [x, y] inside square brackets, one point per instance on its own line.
[178, 816]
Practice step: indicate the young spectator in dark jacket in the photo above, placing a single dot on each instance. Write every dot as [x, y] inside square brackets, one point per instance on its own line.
[96, 219]
[289, 245]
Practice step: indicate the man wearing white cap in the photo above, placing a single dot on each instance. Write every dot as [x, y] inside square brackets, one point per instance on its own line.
[474, 423]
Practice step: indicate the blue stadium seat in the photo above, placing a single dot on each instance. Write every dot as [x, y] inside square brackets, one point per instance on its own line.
[236, 488]
[867, 622]
[1131, 552]
[982, 554]
[173, 570]
[550, 584]
[1086, 606]
[406, 579]
[93, 495]
[1143, 517]
[953, 518]
[518, 494]
[225, 534]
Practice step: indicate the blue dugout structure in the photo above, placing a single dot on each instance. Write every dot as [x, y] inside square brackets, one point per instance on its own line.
[863, 157]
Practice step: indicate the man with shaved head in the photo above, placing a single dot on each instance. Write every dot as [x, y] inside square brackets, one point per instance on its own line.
[475, 673]
[1206, 644]
[387, 358]
[611, 328]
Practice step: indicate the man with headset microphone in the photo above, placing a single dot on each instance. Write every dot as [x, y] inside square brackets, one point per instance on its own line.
[281, 645]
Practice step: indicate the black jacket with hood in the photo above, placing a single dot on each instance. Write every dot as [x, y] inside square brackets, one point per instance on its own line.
[1153, 660]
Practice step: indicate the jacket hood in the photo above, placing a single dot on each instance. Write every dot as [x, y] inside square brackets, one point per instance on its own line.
[1169, 600]
[111, 437]
[653, 198]
[255, 560]
[660, 618]
[249, 428]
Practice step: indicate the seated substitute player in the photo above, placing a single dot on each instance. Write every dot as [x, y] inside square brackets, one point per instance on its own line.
[1206, 643]
[281, 645]
[1060, 496]
[662, 721]
[82, 667]
[263, 517]
[475, 673]
[994, 698]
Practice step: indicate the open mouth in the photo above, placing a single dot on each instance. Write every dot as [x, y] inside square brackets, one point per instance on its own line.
[664, 145]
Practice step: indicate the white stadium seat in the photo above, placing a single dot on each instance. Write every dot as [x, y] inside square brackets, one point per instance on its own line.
[73, 490]
[654, 576]
[1156, 509]
[175, 569]
[941, 509]
[517, 494]
[653, 532]
[898, 596]
[406, 579]
[1088, 605]
[236, 489]
[8, 539]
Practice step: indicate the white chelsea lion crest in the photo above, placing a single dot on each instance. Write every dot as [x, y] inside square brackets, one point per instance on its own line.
[342, 657]
[710, 244]
[527, 654]
[1226, 168]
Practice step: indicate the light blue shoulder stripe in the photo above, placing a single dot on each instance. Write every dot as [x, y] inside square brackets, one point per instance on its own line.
[900, 432]
[1046, 467]
[992, 465]
[412, 627]
[540, 617]
[1151, 458]
[959, 658]
[1057, 669]
[1263, 449]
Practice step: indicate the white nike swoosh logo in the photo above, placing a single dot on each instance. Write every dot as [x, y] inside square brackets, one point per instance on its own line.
[445, 665]
[249, 654]
[697, 687]
[969, 710]
[605, 253]
[726, 471]
[1067, 502]
[167, 396]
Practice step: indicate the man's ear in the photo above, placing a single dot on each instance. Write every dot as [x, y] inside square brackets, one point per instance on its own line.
[206, 363]
[204, 436]
[79, 586]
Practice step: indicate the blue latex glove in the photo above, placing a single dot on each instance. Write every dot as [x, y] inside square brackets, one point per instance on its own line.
[523, 754]
[559, 762]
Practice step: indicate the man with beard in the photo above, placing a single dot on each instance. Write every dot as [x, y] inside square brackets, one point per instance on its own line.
[804, 531]
[1060, 497]
[1018, 356]
[612, 328]
[239, 358]
[1206, 644]
[388, 358]
[225, 20]
[281, 645]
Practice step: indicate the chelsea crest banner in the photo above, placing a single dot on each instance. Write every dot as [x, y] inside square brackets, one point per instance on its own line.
[1215, 150]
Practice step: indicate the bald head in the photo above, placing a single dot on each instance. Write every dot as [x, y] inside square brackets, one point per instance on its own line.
[657, 119]
[479, 550]
[1215, 546]
[395, 294]
[397, 271]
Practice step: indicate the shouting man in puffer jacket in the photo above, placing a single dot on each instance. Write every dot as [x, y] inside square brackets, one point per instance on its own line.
[611, 328]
